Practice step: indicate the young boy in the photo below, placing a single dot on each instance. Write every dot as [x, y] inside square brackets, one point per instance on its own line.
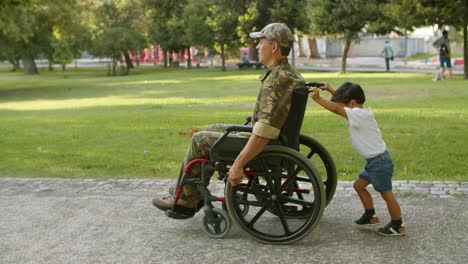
[366, 139]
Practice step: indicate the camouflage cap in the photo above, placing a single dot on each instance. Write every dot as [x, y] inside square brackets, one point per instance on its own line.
[278, 32]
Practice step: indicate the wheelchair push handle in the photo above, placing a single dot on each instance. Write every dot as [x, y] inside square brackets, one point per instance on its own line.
[248, 120]
[305, 89]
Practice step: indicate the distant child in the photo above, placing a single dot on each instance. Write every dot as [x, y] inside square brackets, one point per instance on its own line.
[366, 138]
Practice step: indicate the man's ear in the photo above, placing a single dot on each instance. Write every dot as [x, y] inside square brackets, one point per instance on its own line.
[275, 46]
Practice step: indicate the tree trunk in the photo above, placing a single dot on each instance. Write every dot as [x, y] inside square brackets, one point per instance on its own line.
[137, 59]
[114, 66]
[344, 56]
[171, 59]
[50, 62]
[128, 60]
[29, 65]
[465, 50]
[165, 57]
[406, 47]
[302, 53]
[313, 48]
[223, 59]
[15, 63]
[189, 59]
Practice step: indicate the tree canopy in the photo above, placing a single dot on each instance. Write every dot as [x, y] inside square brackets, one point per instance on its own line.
[54, 29]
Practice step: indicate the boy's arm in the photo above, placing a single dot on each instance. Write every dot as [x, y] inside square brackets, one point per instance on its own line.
[328, 87]
[329, 105]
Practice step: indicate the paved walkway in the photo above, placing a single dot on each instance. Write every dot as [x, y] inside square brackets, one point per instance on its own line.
[372, 64]
[356, 64]
[113, 221]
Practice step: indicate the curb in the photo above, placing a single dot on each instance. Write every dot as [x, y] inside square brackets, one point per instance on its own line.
[441, 189]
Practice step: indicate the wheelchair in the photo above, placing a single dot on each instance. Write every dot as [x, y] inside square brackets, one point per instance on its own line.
[282, 196]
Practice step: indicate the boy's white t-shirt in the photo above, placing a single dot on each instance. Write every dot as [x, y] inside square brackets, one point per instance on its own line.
[364, 132]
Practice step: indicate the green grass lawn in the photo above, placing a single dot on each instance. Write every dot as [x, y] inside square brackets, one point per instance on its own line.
[88, 125]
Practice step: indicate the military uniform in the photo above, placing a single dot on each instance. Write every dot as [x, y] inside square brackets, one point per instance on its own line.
[270, 112]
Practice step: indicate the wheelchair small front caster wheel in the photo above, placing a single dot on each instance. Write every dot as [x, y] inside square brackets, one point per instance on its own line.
[216, 225]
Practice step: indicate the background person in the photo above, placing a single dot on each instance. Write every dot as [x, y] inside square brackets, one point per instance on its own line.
[388, 54]
[245, 60]
[443, 44]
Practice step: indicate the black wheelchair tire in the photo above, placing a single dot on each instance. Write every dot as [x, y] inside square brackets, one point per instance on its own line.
[309, 222]
[313, 147]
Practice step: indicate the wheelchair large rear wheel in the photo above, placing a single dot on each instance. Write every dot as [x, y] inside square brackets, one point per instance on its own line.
[278, 181]
[323, 162]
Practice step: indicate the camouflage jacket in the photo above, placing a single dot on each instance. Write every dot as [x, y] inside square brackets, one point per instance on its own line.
[274, 99]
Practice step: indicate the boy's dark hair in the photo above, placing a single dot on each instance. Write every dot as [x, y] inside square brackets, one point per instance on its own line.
[349, 91]
[445, 33]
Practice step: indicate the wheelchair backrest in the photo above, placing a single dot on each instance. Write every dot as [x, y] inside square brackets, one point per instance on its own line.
[226, 149]
[292, 126]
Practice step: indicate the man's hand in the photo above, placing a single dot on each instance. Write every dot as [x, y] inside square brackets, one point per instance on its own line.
[235, 175]
[254, 145]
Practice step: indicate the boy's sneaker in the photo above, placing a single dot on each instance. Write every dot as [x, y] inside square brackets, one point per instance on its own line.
[367, 221]
[388, 230]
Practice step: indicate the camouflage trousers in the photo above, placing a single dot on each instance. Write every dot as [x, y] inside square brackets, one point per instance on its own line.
[200, 148]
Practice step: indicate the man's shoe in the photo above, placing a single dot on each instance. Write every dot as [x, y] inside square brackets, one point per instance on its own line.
[188, 208]
[389, 230]
[172, 190]
[367, 221]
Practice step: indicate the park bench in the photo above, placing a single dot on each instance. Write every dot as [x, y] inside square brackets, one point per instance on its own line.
[249, 65]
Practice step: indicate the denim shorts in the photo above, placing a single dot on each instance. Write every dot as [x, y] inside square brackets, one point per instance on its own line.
[378, 171]
[445, 60]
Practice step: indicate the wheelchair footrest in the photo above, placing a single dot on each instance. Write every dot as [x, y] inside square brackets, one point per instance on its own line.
[176, 215]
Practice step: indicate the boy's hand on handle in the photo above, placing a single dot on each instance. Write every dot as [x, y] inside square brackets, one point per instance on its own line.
[326, 87]
[315, 93]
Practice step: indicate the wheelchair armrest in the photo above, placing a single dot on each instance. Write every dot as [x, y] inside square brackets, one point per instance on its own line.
[238, 128]
[229, 130]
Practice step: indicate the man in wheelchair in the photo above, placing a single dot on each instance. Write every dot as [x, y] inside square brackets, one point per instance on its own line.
[269, 114]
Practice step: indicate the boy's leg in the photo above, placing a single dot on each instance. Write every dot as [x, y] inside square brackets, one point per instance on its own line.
[392, 205]
[366, 198]
[369, 217]
[395, 227]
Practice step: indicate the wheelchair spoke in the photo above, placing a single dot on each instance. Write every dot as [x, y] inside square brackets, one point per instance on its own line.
[279, 208]
[268, 177]
[311, 153]
[260, 213]
[296, 185]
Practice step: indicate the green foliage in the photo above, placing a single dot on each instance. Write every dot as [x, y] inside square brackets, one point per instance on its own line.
[116, 32]
[344, 19]
[292, 13]
[196, 30]
[399, 16]
[63, 53]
